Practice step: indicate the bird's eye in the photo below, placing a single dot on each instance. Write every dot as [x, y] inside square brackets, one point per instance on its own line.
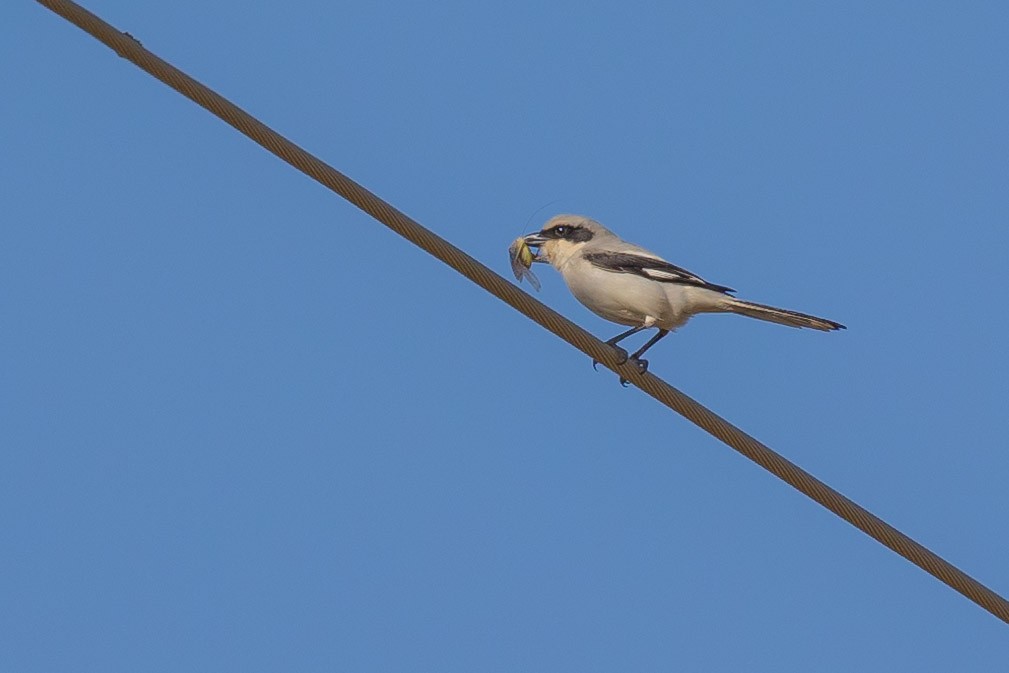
[561, 230]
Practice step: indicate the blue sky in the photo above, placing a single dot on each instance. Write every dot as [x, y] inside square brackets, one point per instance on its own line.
[244, 427]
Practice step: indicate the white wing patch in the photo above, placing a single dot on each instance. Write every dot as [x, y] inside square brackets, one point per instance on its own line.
[664, 274]
[654, 268]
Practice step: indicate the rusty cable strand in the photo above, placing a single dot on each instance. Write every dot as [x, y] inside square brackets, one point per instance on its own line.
[131, 49]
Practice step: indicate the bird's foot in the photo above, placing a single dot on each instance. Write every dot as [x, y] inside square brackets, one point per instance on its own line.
[621, 356]
[642, 366]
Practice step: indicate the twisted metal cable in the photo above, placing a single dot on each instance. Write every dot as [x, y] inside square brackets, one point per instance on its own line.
[129, 48]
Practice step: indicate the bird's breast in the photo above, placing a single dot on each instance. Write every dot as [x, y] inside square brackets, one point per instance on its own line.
[622, 298]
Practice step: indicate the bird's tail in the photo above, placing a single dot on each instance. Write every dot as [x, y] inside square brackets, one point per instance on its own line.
[779, 315]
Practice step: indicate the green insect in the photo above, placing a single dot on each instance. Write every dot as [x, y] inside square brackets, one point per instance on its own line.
[522, 258]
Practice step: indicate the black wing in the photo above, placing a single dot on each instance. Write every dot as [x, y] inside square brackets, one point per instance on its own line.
[651, 268]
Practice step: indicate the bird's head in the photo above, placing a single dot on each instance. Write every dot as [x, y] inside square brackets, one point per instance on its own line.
[563, 236]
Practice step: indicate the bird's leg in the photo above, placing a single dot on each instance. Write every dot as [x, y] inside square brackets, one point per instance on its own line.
[623, 335]
[617, 339]
[643, 364]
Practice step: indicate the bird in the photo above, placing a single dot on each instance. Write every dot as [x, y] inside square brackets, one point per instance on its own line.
[629, 285]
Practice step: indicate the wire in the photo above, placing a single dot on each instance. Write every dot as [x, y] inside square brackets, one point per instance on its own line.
[130, 48]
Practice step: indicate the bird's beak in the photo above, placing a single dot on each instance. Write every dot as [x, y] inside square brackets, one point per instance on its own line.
[534, 240]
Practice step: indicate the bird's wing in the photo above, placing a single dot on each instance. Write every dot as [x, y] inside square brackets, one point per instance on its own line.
[652, 268]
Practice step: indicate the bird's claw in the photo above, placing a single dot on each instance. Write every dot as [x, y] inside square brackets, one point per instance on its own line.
[642, 367]
[621, 355]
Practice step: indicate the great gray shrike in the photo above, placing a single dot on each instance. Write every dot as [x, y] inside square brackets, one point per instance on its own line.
[629, 285]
